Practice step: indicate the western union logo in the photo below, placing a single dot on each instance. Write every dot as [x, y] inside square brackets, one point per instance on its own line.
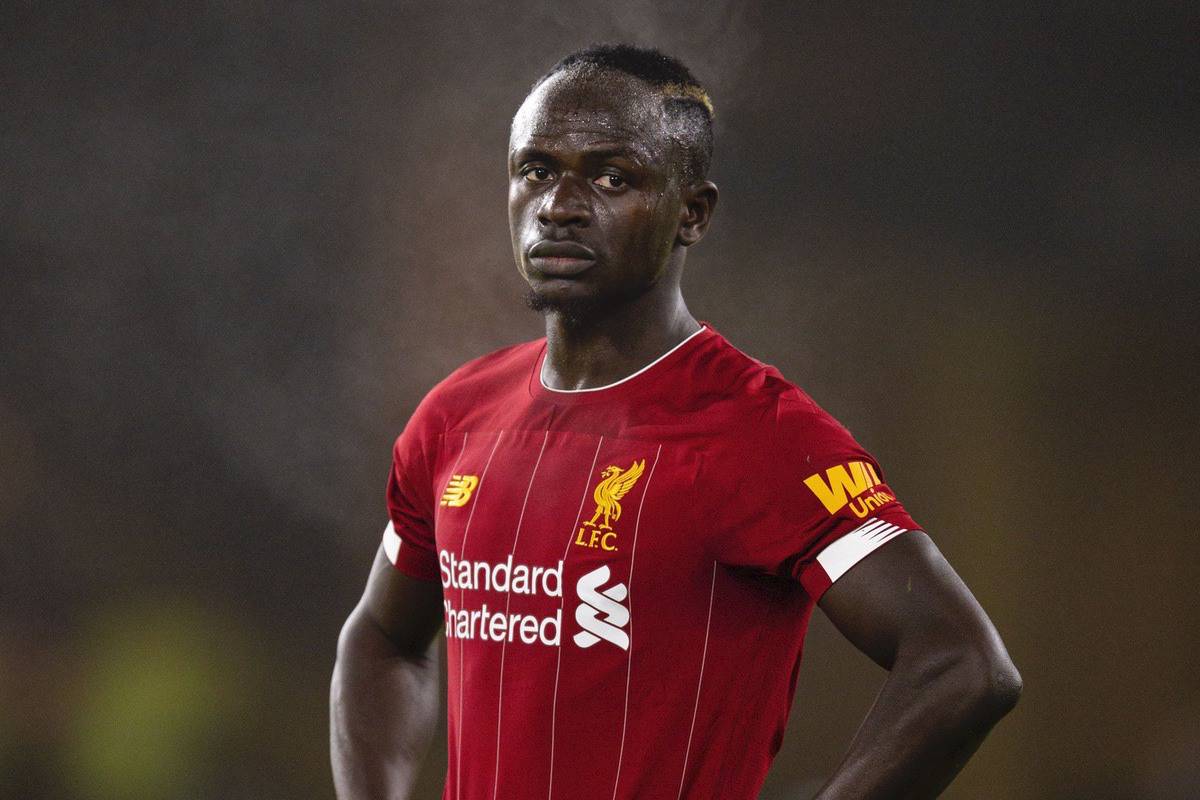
[458, 490]
[844, 482]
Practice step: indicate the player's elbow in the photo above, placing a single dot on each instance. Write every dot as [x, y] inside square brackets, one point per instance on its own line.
[1004, 688]
[992, 684]
[975, 681]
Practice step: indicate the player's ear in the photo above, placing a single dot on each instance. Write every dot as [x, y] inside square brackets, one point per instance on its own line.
[699, 201]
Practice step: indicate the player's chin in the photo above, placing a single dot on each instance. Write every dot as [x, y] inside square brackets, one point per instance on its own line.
[573, 298]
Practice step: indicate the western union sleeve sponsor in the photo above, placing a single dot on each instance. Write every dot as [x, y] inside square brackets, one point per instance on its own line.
[842, 483]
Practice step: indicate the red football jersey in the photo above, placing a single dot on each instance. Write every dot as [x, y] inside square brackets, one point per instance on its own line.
[628, 571]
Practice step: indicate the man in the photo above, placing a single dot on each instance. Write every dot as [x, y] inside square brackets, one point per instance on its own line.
[625, 526]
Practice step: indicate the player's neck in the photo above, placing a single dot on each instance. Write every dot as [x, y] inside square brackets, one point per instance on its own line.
[616, 345]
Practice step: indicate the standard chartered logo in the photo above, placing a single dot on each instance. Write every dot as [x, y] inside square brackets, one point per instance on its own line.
[593, 603]
[600, 612]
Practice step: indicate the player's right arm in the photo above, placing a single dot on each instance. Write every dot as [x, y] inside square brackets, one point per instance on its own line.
[384, 695]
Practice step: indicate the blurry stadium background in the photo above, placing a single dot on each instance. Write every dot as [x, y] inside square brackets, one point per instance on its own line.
[240, 240]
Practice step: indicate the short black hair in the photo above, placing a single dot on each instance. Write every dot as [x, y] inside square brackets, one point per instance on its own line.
[685, 98]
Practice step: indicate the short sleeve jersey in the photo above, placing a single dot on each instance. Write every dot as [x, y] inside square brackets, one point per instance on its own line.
[627, 572]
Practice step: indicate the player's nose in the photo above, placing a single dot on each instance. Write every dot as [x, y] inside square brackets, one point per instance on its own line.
[566, 203]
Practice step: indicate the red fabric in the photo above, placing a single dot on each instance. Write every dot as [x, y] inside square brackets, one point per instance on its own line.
[654, 656]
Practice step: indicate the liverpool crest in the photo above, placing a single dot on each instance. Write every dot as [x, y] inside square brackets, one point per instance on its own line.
[614, 484]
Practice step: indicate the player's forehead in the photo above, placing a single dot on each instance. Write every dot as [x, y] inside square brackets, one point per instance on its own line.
[575, 110]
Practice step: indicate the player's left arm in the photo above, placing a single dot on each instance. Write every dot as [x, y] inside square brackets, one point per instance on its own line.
[950, 678]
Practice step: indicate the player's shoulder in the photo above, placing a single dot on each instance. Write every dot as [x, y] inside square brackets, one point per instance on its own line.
[752, 383]
[769, 404]
[487, 376]
[499, 364]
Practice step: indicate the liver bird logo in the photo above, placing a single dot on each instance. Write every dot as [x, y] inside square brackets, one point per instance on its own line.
[615, 485]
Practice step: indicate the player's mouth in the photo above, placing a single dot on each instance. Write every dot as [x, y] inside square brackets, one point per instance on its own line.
[560, 259]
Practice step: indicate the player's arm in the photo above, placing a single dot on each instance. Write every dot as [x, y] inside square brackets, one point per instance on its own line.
[949, 681]
[384, 694]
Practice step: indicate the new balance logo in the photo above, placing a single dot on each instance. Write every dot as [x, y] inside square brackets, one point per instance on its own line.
[594, 603]
[458, 490]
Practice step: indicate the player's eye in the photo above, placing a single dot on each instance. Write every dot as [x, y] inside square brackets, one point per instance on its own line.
[536, 174]
[610, 180]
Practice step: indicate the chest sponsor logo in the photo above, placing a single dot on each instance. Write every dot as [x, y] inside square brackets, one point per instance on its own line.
[614, 484]
[851, 483]
[507, 577]
[595, 603]
[459, 489]
[600, 612]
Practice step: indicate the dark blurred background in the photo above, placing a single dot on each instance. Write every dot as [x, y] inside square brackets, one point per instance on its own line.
[240, 240]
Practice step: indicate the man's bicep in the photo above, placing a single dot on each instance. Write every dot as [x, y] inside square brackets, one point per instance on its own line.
[406, 609]
[905, 593]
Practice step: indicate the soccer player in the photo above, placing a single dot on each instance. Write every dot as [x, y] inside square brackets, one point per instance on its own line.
[624, 526]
